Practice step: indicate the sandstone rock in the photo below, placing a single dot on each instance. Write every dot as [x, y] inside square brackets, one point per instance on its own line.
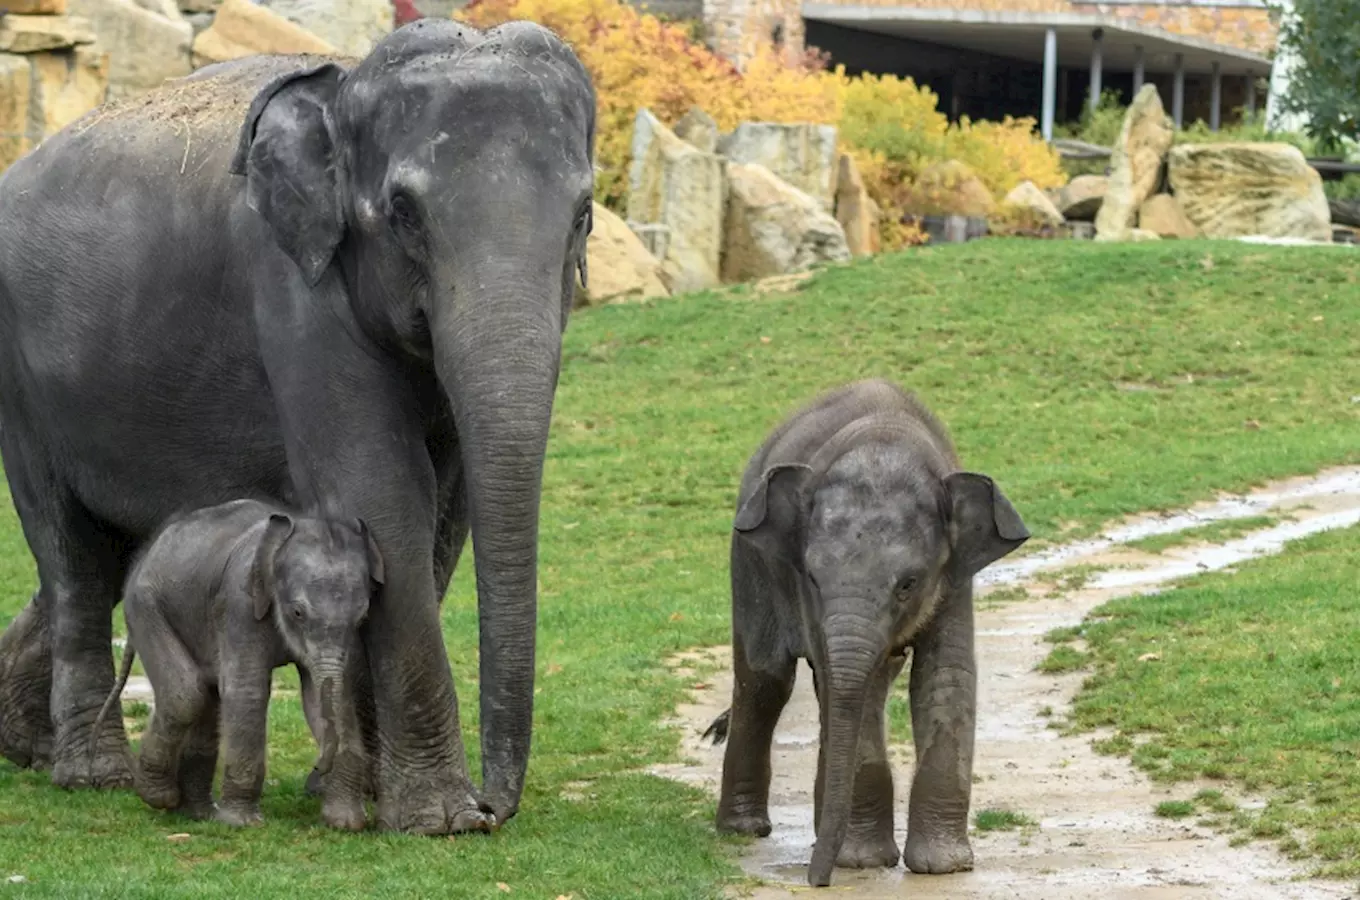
[32, 34]
[1235, 190]
[1163, 216]
[34, 7]
[1080, 199]
[192, 7]
[1033, 204]
[243, 29]
[1136, 165]
[351, 26]
[773, 228]
[15, 78]
[619, 266]
[66, 85]
[802, 155]
[165, 8]
[855, 209]
[675, 184]
[145, 48]
[1142, 234]
[698, 128]
[948, 188]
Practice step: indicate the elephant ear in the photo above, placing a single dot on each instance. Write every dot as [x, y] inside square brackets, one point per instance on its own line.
[983, 525]
[286, 151]
[771, 516]
[375, 559]
[262, 580]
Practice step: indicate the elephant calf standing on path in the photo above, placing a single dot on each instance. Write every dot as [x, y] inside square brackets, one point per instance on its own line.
[222, 598]
[857, 537]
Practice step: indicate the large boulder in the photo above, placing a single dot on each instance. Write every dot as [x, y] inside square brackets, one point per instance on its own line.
[15, 78]
[1236, 190]
[145, 48]
[856, 210]
[773, 228]
[803, 155]
[698, 128]
[33, 34]
[675, 184]
[1033, 205]
[618, 265]
[351, 26]
[66, 85]
[1136, 167]
[948, 188]
[1162, 215]
[242, 28]
[1080, 199]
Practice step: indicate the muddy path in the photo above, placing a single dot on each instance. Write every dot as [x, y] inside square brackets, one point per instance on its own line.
[1097, 836]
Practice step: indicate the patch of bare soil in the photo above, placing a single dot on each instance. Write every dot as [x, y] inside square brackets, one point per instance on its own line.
[1096, 834]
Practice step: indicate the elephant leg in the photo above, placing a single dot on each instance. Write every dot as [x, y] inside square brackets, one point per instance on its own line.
[763, 676]
[244, 687]
[181, 699]
[869, 842]
[80, 568]
[943, 721]
[26, 687]
[198, 761]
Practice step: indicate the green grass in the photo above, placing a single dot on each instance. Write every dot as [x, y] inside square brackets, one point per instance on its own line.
[1001, 820]
[1063, 658]
[1174, 809]
[1213, 533]
[1093, 381]
[1256, 686]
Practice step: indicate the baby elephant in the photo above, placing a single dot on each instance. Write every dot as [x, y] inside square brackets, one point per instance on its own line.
[857, 538]
[220, 598]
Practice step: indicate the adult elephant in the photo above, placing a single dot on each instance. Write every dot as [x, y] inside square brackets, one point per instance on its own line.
[336, 283]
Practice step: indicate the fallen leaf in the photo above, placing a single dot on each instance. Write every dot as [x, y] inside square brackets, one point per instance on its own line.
[503, 886]
[704, 685]
[17, 879]
[764, 339]
[553, 669]
[1252, 425]
[676, 617]
[563, 897]
[1150, 657]
[1317, 318]
[1207, 262]
[179, 838]
[1336, 682]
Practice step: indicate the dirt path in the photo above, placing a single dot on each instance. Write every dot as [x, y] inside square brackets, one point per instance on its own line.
[1097, 836]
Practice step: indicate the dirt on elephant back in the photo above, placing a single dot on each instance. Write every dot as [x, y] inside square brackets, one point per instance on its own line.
[1096, 834]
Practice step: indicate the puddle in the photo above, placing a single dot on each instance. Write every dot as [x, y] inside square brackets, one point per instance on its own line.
[1096, 834]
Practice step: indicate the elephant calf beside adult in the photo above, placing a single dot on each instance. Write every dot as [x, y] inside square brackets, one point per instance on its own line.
[338, 284]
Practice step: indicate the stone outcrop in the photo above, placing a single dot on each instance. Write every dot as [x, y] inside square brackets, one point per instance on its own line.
[1136, 166]
[774, 228]
[1080, 199]
[34, 7]
[145, 48]
[33, 34]
[1236, 190]
[619, 265]
[15, 78]
[351, 26]
[1162, 215]
[1032, 204]
[675, 184]
[855, 209]
[242, 28]
[698, 128]
[948, 188]
[803, 155]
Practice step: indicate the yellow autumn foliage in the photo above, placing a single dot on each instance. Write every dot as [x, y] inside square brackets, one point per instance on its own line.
[892, 126]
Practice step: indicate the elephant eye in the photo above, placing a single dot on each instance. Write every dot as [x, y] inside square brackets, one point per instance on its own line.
[404, 212]
[297, 613]
[904, 588]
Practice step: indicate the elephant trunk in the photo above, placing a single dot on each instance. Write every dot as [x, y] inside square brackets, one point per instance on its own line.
[330, 682]
[854, 647]
[497, 353]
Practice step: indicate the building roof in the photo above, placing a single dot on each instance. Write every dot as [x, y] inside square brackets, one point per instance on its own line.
[1020, 35]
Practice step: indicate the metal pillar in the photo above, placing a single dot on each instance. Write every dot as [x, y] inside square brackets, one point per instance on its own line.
[1178, 92]
[1215, 97]
[1137, 68]
[1097, 65]
[1050, 82]
[1251, 95]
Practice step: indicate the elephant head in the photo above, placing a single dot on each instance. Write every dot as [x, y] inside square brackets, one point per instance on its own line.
[445, 181]
[879, 537]
[317, 577]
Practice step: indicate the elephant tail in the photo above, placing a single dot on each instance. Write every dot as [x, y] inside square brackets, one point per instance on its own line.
[129, 654]
[718, 730]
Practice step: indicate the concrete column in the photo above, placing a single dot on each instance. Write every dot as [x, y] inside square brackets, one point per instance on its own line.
[1178, 92]
[1251, 95]
[1137, 68]
[1050, 83]
[1215, 97]
[1097, 65]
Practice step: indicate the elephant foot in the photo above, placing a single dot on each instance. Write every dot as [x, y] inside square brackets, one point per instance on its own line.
[938, 855]
[346, 815]
[199, 810]
[158, 790]
[26, 737]
[868, 851]
[111, 769]
[738, 821]
[239, 816]
[316, 783]
[418, 807]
